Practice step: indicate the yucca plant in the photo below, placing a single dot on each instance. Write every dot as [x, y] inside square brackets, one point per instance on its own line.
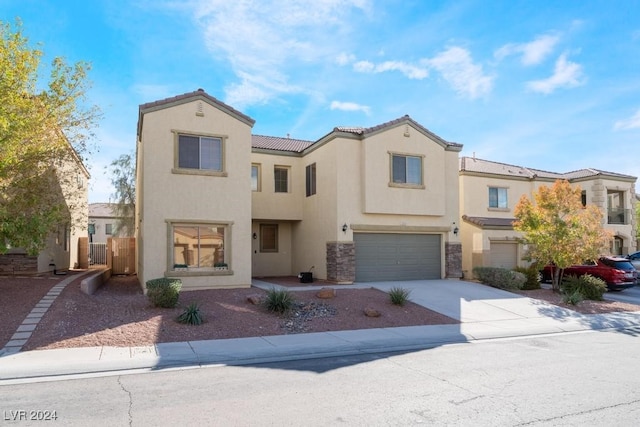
[399, 296]
[278, 300]
[191, 315]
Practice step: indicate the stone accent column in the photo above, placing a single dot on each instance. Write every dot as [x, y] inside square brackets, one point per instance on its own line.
[453, 260]
[341, 262]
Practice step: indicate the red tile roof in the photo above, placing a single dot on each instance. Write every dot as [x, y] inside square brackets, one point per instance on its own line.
[279, 144]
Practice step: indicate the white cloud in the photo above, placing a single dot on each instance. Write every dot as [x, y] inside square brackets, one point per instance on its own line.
[533, 52]
[457, 68]
[349, 106]
[454, 64]
[364, 67]
[632, 122]
[260, 39]
[566, 74]
[409, 70]
[345, 58]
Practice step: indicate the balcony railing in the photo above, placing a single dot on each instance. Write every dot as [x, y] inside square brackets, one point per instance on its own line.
[619, 216]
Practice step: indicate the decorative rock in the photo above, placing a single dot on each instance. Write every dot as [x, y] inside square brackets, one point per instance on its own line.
[254, 299]
[371, 312]
[326, 293]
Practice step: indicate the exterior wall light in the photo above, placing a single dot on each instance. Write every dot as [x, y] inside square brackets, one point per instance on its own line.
[455, 229]
[344, 228]
[255, 236]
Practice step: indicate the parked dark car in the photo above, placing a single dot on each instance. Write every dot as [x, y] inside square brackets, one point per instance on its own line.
[634, 259]
[618, 273]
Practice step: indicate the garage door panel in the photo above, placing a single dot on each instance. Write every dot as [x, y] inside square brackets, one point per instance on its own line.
[381, 256]
[504, 255]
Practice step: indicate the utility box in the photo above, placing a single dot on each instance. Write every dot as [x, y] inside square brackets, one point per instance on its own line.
[306, 277]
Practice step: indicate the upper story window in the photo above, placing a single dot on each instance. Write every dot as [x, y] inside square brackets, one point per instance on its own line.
[616, 212]
[281, 179]
[108, 229]
[311, 179]
[200, 152]
[498, 198]
[255, 177]
[406, 169]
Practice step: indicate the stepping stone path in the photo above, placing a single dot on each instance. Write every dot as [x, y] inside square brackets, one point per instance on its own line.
[24, 331]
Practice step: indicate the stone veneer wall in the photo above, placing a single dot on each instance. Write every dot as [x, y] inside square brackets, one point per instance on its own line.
[18, 264]
[453, 260]
[341, 262]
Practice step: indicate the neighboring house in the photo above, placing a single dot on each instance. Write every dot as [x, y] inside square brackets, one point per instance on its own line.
[61, 251]
[104, 223]
[217, 204]
[489, 192]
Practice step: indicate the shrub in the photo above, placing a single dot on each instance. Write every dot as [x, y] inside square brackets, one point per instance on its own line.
[399, 296]
[573, 298]
[533, 276]
[500, 278]
[278, 300]
[191, 315]
[164, 292]
[588, 286]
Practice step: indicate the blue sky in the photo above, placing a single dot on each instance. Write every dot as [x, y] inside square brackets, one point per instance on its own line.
[553, 85]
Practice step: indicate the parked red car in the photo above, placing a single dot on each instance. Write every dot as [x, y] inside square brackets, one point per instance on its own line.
[618, 273]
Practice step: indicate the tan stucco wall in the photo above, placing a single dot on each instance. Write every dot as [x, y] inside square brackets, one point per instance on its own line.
[379, 194]
[194, 198]
[322, 214]
[73, 181]
[266, 203]
[269, 264]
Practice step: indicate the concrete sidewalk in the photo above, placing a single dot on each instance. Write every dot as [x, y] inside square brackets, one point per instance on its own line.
[484, 312]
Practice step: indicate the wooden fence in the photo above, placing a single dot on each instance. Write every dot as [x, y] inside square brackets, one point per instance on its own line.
[119, 254]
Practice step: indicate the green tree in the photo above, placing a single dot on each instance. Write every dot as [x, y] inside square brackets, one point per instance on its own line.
[558, 229]
[123, 178]
[44, 126]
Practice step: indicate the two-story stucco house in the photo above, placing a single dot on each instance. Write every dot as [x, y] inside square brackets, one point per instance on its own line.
[193, 190]
[70, 187]
[489, 192]
[218, 205]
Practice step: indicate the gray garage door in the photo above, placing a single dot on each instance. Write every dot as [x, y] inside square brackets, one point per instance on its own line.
[382, 256]
[504, 255]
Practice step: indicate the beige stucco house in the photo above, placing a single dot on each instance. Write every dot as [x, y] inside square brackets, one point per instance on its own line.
[489, 192]
[104, 222]
[70, 187]
[218, 205]
[193, 190]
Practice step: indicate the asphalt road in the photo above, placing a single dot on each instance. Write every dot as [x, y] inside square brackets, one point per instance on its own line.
[569, 379]
[631, 295]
